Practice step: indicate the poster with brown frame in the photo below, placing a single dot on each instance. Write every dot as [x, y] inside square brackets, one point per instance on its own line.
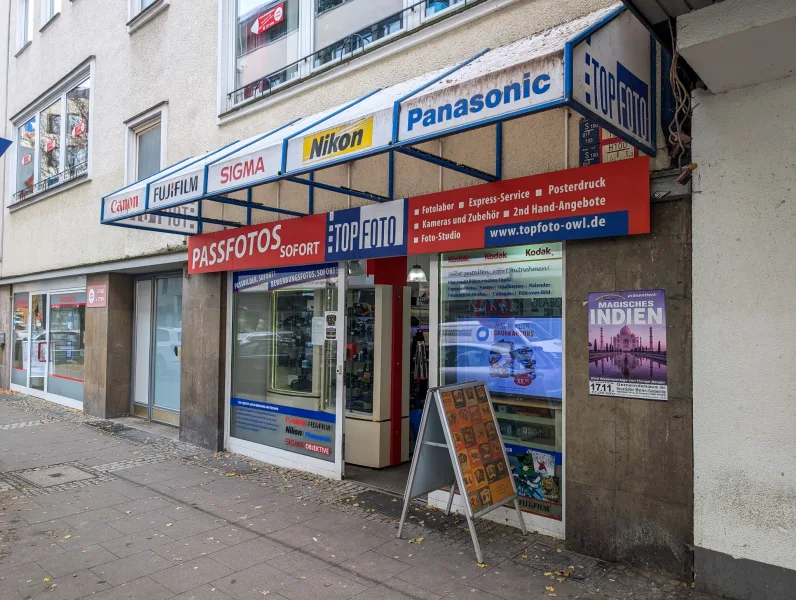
[459, 446]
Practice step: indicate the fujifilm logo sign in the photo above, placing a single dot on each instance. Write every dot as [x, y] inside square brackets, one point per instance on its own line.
[175, 191]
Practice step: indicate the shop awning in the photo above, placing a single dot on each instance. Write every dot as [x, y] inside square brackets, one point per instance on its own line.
[601, 65]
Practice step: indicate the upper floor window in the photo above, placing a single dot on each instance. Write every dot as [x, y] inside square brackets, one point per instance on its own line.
[141, 11]
[24, 22]
[49, 8]
[273, 42]
[52, 143]
[146, 143]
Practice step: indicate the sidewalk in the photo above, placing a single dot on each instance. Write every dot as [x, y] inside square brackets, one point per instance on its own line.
[94, 509]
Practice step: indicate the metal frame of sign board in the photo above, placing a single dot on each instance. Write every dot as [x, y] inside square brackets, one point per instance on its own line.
[435, 395]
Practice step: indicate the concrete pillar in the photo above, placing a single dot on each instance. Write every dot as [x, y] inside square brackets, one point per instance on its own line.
[6, 327]
[109, 345]
[204, 338]
[629, 463]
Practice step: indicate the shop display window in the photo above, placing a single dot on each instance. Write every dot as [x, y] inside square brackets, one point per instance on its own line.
[283, 368]
[501, 323]
[67, 344]
[19, 366]
[360, 350]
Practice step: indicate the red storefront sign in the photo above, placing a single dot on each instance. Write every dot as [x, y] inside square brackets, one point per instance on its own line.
[281, 244]
[268, 19]
[596, 201]
[97, 296]
[602, 200]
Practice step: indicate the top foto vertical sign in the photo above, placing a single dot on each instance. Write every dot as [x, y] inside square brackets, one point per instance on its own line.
[612, 79]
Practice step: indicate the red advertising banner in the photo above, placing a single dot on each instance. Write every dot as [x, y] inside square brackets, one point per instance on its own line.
[268, 19]
[277, 244]
[596, 201]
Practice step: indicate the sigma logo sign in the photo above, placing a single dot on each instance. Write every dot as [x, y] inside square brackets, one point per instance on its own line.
[368, 232]
[175, 191]
[612, 77]
[345, 139]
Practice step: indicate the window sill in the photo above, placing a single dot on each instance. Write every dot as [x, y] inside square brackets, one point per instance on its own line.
[146, 15]
[24, 47]
[53, 191]
[50, 20]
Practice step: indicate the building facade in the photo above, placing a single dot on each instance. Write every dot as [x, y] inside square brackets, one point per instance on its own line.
[117, 307]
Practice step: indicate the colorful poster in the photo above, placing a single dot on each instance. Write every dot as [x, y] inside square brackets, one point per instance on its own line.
[479, 450]
[627, 344]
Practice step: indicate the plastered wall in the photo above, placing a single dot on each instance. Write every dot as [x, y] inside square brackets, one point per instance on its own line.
[174, 58]
[744, 219]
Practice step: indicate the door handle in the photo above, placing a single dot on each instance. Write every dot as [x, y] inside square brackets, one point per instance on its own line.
[176, 351]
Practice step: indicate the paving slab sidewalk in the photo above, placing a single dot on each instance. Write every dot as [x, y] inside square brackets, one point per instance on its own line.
[96, 509]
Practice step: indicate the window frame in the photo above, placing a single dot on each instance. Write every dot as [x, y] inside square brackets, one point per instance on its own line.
[137, 125]
[231, 105]
[59, 92]
[137, 16]
[24, 27]
[49, 10]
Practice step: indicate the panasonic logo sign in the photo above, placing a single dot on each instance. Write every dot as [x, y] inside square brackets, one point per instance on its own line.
[514, 93]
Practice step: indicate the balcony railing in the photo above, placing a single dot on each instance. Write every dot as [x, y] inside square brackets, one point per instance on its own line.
[49, 182]
[343, 49]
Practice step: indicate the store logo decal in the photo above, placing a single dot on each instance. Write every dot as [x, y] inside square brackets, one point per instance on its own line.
[338, 141]
[182, 187]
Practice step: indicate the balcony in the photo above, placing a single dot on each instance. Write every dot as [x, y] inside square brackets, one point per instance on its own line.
[49, 183]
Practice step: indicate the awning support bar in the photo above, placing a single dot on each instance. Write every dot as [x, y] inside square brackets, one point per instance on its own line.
[249, 206]
[391, 174]
[311, 194]
[448, 164]
[499, 150]
[340, 190]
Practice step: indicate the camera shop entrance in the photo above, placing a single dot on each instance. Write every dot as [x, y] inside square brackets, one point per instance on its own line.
[345, 305]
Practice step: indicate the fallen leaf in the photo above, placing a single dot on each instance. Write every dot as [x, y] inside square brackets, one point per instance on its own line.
[482, 565]
[47, 578]
[560, 579]
[169, 524]
[417, 540]
[66, 537]
[550, 588]
[525, 556]
[210, 539]
[558, 550]
[548, 574]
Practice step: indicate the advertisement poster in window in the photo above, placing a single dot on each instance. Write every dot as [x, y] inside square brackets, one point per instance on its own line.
[627, 344]
[268, 19]
[485, 472]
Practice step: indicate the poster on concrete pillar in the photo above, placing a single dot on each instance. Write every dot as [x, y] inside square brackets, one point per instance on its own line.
[627, 344]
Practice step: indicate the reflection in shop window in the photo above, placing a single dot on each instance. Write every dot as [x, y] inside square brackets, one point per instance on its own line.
[67, 344]
[283, 370]
[19, 365]
[501, 323]
[26, 155]
[267, 42]
[77, 127]
[49, 142]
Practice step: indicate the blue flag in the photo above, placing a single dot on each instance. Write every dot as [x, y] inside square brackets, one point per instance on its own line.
[4, 145]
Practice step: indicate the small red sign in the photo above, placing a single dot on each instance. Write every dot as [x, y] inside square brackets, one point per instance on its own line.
[27, 158]
[79, 129]
[50, 145]
[97, 296]
[268, 19]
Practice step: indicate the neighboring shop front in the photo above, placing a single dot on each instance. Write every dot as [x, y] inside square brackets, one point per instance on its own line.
[48, 340]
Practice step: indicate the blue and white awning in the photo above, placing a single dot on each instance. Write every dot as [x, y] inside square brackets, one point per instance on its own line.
[601, 65]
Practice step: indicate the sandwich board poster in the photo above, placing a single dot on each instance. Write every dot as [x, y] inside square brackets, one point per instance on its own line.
[627, 344]
[479, 450]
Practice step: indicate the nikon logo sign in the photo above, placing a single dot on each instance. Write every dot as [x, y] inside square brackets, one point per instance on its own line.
[345, 139]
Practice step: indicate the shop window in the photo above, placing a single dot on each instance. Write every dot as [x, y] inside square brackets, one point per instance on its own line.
[67, 344]
[24, 23]
[49, 10]
[501, 323]
[360, 350]
[283, 369]
[267, 44]
[19, 365]
[41, 164]
[349, 37]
